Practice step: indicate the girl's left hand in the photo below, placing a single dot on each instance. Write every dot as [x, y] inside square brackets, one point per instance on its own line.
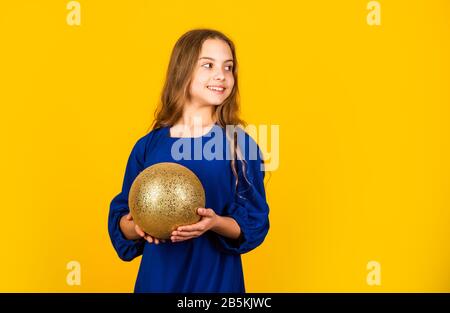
[208, 221]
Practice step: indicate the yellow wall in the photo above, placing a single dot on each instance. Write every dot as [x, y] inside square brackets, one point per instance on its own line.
[364, 136]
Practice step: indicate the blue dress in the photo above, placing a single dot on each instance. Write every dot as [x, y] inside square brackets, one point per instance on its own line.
[211, 262]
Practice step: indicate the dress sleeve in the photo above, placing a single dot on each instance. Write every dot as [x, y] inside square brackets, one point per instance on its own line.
[249, 209]
[126, 249]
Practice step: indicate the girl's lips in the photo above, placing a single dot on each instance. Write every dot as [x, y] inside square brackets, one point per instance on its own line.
[219, 92]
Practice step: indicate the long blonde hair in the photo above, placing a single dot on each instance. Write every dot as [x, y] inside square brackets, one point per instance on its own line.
[176, 88]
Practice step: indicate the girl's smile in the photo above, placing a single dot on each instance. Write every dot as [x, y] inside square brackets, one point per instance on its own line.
[220, 90]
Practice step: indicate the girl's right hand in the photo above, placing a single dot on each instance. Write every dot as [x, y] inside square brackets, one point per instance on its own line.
[143, 234]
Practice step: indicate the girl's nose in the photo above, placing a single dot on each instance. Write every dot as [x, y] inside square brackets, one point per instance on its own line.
[219, 75]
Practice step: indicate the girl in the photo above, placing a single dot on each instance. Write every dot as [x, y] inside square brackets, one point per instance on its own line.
[201, 84]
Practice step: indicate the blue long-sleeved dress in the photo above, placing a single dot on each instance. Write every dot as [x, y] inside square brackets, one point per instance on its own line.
[211, 262]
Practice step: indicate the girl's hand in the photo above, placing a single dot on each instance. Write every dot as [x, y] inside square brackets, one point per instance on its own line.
[143, 234]
[208, 221]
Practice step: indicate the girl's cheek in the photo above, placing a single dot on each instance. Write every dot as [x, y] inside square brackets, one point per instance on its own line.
[202, 78]
[231, 82]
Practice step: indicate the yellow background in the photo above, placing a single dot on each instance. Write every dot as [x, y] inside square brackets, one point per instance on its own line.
[364, 136]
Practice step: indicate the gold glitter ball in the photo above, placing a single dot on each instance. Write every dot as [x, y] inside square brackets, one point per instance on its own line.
[165, 196]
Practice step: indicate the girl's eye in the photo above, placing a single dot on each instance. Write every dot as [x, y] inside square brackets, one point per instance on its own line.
[229, 68]
[207, 65]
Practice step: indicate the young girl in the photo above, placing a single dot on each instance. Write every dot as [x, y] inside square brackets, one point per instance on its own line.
[201, 84]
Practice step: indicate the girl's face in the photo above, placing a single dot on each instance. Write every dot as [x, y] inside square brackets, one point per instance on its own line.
[213, 79]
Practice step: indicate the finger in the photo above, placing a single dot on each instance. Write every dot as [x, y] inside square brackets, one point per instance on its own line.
[205, 212]
[149, 238]
[186, 233]
[139, 231]
[194, 227]
[156, 241]
[178, 238]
